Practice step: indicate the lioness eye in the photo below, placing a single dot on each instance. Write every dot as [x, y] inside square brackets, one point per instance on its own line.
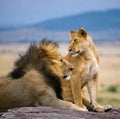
[61, 60]
[75, 40]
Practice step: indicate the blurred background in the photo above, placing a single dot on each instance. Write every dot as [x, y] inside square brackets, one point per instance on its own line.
[26, 21]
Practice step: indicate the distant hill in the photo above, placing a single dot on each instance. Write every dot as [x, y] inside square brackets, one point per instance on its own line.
[104, 26]
[92, 21]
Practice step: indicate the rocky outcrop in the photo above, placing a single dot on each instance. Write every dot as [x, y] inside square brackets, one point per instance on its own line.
[57, 113]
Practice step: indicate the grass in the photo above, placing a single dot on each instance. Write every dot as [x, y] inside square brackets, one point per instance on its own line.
[108, 96]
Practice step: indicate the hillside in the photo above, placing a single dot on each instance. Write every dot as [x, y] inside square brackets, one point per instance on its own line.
[104, 26]
[92, 21]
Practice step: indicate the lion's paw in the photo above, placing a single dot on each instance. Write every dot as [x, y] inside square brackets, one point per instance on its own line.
[84, 108]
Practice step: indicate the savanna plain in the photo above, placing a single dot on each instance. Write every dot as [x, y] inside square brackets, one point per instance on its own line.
[109, 75]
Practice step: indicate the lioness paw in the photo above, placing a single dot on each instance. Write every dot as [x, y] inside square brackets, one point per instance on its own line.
[107, 108]
[103, 109]
[92, 106]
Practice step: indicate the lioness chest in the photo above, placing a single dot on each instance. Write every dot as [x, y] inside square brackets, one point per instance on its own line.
[84, 69]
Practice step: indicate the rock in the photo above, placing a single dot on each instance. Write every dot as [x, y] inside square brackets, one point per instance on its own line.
[57, 113]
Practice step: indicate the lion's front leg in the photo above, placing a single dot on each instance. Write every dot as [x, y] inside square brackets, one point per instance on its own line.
[69, 105]
[49, 99]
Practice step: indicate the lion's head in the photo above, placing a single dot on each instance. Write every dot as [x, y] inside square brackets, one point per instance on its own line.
[41, 57]
[55, 61]
[78, 42]
[66, 68]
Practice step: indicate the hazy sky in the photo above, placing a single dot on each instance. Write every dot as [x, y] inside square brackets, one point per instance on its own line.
[14, 12]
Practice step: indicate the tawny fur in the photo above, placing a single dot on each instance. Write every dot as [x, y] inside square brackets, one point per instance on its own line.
[36, 79]
[84, 58]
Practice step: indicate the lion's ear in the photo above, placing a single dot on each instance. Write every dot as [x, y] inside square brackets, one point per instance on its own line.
[71, 32]
[82, 32]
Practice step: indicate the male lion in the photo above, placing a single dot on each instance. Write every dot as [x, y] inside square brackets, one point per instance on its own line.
[37, 76]
[84, 58]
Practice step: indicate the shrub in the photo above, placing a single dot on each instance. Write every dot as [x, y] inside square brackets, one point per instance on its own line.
[112, 88]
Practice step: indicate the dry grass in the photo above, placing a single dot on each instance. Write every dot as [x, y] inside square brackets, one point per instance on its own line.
[8, 55]
[109, 97]
[109, 67]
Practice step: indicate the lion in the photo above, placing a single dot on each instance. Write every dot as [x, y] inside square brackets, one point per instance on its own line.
[85, 60]
[36, 79]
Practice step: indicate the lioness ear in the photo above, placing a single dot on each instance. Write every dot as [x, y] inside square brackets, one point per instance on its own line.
[82, 32]
[71, 32]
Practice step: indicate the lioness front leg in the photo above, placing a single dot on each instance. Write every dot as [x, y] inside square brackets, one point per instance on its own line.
[99, 107]
[92, 90]
[92, 93]
[76, 91]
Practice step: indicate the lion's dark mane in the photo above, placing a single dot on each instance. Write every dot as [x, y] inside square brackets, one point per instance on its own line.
[36, 59]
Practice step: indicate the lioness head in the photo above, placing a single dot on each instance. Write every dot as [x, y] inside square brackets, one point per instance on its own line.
[78, 42]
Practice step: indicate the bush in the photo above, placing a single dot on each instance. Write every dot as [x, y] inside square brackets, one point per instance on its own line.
[112, 88]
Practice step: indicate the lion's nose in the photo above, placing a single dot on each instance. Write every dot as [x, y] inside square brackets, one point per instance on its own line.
[71, 69]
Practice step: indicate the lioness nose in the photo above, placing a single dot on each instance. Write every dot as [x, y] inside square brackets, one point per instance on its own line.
[70, 50]
[71, 69]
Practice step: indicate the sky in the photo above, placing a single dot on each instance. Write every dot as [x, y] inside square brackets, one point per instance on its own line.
[24, 12]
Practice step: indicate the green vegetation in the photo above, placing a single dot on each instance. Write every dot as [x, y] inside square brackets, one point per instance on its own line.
[110, 95]
[112, 88]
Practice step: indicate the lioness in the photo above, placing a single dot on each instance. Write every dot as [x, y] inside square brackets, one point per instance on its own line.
[84, 58]
[36, 79]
